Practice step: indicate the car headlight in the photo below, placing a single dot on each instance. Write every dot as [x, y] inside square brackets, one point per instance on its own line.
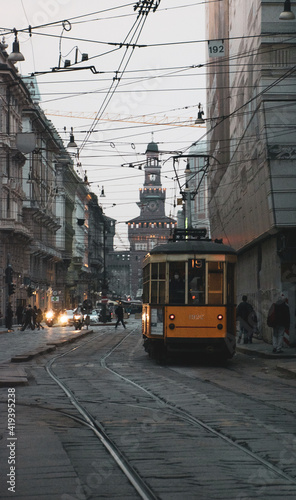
[64, 319]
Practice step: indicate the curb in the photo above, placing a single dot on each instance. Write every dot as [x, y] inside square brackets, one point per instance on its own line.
[267, 355]
[12, 374]
[287, 370]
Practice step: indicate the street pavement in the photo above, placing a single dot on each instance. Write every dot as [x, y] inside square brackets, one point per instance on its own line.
[17, 347]
[44, 469]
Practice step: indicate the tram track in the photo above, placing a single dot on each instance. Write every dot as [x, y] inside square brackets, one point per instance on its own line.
[194, 421]
[137, 482]
[175, 411]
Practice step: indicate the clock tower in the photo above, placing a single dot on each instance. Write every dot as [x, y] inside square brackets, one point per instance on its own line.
[151, 227]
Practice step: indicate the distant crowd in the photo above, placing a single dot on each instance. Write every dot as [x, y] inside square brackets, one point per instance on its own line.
[27, 317]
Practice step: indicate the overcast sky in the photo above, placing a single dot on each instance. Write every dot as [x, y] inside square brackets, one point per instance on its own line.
[157, 82]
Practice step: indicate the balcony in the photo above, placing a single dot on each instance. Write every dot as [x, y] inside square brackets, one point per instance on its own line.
[40, 249]
[18, 228]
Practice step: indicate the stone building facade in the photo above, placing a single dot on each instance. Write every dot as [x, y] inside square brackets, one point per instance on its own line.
[251, 105]
[45, 205]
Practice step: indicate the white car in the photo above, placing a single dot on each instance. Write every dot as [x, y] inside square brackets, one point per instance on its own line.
[66, 318]
[93, 318]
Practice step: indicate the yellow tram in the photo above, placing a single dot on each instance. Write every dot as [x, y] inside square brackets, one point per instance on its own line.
[189, 296]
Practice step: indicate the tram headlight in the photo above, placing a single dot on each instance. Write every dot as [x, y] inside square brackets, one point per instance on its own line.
[220, 326]
[220, 317]
[172, 317]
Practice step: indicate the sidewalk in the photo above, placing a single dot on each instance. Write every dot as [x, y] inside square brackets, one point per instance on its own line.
[284, 362]
[17, 347]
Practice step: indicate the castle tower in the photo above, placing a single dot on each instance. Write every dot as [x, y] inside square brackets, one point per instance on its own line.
[151, 227]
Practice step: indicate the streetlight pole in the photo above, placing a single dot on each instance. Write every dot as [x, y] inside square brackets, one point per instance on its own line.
[104, 283]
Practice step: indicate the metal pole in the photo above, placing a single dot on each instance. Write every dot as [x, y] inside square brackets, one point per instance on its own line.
[104, 284]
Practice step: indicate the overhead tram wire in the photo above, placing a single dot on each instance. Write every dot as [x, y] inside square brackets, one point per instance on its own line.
[59, 22]
[266, 89]
[107, 98]
[137, 27]
[235, 56]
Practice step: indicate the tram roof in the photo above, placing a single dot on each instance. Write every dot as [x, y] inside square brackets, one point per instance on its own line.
[193, 246]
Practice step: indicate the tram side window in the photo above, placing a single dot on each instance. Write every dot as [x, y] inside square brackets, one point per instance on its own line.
[158, 283]
[196, 281]
[177, 283]
[215, 283]
[146, 277]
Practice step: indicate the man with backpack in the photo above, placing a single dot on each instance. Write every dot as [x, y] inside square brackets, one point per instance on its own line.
[279, 319]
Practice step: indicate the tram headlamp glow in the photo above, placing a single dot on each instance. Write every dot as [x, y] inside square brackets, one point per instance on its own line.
[172, 317]
[220, 317]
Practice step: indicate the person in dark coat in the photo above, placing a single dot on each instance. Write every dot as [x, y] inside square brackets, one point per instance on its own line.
[245, 315]
[119, 314]
[9, 317]
[281, 322]
[28, 319]
[34, 316]
[19, 314]
[39, 318]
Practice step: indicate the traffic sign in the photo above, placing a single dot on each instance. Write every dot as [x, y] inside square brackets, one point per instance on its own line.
[104, 300]
[216, 48]
[55, 299]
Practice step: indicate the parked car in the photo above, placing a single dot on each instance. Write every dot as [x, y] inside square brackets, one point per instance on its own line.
[93, 317]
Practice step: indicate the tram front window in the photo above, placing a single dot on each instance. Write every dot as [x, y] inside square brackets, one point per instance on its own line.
[196, 281]
[177, 282]
[215, 279]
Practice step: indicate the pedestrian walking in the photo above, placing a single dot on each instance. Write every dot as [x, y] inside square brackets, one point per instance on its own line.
[246, 316]
[279, 319]
[19, 314]
[28, 319]
[9, 317]
[39, 318]
[119, 314]
[34, 317]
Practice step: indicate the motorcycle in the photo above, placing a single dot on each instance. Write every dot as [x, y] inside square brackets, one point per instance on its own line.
[49, 318]
[78, 320]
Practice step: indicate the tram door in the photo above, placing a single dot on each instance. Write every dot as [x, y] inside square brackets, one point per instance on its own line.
[231, 306]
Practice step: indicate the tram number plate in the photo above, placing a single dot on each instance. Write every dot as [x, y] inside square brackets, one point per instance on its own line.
[196, 316]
